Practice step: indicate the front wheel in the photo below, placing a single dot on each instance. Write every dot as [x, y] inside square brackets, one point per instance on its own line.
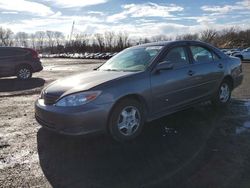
[126, 120]
[223, 94]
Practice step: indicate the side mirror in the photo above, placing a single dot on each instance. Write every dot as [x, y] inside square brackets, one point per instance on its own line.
[165, 65]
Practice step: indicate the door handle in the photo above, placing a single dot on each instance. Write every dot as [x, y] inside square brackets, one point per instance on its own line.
[220, 66]
[191, 73]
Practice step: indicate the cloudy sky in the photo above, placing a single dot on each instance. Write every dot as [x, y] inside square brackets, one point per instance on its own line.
[137, 17]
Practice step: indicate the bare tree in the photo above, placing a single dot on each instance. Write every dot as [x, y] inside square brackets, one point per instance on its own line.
[122, 40]
[59, 37]
[244, 38]
[109, 39]
[208, 35]
[100, 40]
[6, 37]
[158, 38]
[79, 44]
[33, 40]
[144, 40]
[50, 40]
[188, 37]
[40, 37]
[228, 37]
[21, 39]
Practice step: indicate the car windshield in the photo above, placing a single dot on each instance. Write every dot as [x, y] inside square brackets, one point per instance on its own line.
[132, 59]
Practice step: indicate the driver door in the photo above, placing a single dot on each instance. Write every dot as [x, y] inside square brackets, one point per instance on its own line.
[172, 88]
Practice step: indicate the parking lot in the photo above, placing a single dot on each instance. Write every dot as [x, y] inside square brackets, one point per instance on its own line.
[198, 147]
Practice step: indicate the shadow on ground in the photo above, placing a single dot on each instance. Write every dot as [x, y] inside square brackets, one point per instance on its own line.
[14, 84]
[165, 154]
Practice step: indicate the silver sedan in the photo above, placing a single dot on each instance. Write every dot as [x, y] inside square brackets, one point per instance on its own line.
[138, 85]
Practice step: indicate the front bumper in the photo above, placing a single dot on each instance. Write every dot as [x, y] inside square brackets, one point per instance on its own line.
[82, 120]
[37, 66]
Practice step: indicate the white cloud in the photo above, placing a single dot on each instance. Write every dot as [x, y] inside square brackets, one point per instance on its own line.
[96, 13]
[135, 30]
[145, 10]
[117, 17]
[76, 3]
[245, 3]
[218, 9]
[26, 6]
[56, 22]
[205, 20]
[148, 18]
[9, 12]
[238, 6]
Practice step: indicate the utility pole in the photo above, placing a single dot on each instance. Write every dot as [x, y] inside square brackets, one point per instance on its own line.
[72, 31]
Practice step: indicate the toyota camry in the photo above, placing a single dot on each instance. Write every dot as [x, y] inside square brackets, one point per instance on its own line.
[138, 85]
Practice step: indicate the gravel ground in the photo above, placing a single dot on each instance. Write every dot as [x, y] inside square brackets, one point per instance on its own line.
[198, 147]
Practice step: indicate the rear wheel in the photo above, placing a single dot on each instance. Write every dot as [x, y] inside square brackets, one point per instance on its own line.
[24, 73]
[223, 94]
[126, 120]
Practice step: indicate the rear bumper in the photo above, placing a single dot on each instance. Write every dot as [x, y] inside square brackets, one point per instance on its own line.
[82, 120]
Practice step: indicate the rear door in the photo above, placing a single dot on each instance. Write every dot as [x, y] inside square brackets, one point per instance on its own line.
[208, 69]
[10, 58]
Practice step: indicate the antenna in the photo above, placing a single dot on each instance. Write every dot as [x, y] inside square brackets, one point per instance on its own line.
[72, 31]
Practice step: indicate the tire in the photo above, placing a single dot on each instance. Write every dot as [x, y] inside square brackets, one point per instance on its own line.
[122, 129]
[223, 94]
[24, 73]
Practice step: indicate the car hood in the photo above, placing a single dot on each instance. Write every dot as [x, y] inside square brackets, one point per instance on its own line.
[82, 82]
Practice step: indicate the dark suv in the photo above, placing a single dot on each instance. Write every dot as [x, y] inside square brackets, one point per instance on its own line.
[20, 62]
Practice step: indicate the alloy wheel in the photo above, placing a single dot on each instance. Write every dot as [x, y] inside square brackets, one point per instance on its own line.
[129, 120]
[24, 73]
[224, 94]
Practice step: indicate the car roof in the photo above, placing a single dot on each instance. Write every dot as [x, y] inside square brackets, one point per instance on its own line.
[183, 42]
[166, 43]
[8, 47]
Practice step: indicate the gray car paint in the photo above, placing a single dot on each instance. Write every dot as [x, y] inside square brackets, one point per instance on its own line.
[160, 93]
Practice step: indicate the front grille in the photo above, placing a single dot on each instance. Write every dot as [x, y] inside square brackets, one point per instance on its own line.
[49, 99]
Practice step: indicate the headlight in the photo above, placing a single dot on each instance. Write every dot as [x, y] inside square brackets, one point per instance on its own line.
[78, 99]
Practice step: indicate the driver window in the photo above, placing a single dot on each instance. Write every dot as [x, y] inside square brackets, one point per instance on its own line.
[177, 55]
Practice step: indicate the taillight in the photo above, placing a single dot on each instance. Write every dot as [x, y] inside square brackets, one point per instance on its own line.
[34, 54]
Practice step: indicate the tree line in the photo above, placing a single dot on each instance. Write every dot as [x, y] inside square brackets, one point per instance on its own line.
[56, 42]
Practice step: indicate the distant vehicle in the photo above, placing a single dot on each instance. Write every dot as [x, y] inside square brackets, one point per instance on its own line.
[243, 55]
[138, 85]
[224, 50]
[20, 62]
[231, 52]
